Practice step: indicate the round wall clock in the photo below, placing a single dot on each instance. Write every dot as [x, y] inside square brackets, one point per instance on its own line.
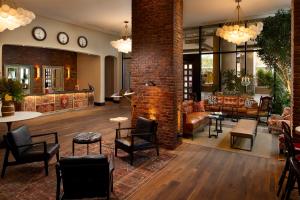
[39, 33]
[63, 38]
[82, 41]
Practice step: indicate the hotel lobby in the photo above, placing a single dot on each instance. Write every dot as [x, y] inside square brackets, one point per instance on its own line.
[149, 99]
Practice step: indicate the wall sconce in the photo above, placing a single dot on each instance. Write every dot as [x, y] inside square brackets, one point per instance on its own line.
[68, 73]
[38, 71]
[150, 83]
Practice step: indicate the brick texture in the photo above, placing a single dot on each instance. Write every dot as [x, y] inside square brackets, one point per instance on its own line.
[296, 62]
[157, 56]
[42, 56]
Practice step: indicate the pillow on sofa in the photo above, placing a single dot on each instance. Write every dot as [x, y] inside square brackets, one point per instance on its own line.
[248, 103]
[212, 100]
[199, 106]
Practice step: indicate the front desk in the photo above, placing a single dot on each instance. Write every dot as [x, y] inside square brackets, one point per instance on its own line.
[58, 101]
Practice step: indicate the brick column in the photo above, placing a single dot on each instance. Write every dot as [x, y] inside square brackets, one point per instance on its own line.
[296, 63]
[157, 56]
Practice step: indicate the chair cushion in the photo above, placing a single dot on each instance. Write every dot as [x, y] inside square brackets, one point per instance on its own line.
[37, 152]
[20, 136]
[138, 142]
[199, 106]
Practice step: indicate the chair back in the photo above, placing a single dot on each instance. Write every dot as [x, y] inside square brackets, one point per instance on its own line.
[288, 139]
[84, 176]
[144, 125]
[18, 137]
[265, 104]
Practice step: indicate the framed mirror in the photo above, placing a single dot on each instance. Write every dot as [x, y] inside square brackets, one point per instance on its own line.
[53, 78]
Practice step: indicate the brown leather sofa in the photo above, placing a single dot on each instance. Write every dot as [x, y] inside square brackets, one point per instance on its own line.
[232, 105]
[193, 121]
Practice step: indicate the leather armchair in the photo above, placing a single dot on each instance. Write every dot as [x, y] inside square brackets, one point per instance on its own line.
[84, 177]
[142, 137]
[24, 150]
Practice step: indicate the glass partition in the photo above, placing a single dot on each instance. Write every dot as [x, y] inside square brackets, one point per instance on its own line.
[53, 78]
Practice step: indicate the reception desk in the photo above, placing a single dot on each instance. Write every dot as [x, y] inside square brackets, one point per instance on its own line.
[58, 101]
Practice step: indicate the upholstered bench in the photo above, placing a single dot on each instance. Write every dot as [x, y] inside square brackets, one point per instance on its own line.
[244, 129]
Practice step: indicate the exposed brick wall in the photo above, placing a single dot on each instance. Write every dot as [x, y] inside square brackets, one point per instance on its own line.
[296, 62]
[157, 56]
[12, 54]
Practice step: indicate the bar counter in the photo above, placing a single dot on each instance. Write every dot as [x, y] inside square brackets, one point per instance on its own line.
[58, 101]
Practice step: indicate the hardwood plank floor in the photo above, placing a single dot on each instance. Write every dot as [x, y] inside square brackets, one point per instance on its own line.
[196, 173]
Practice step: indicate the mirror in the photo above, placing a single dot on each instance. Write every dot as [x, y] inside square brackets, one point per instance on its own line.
[21, 73]
[53, 78]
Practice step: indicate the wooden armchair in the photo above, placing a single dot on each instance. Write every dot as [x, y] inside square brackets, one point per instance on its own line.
[19, 142]
[142, 137]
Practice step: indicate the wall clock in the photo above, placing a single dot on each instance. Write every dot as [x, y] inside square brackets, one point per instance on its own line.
[63, 38]
[82, 41]
[39, 33]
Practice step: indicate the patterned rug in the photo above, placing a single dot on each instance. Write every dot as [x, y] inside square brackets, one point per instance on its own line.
[28, 182]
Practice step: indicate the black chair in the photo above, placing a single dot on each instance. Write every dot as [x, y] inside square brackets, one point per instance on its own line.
[291, 153]
[142, 137]
[294, 176]
[84, 177]
[19, 143]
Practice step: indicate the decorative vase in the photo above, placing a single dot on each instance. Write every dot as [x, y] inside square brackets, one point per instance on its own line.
[8, 108]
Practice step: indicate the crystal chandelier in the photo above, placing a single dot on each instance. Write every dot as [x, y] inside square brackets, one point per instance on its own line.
[237, 34]
[12, 17]
[124, 44]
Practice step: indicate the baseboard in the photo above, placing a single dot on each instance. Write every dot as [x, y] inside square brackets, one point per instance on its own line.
[99, 103]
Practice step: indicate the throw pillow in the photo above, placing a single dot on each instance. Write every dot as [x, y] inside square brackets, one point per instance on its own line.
[212, 100]
[199, 106]
[248, 103]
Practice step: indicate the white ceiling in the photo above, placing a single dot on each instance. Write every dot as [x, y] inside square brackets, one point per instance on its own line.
[108, 15]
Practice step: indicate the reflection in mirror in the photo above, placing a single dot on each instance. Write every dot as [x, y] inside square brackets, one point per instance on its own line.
[53, 78]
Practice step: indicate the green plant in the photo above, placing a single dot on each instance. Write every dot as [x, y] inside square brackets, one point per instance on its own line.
[264, 77]
[11, 90]
[275, 45]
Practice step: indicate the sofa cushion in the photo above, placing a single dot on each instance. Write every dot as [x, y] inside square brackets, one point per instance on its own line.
[187, 106]
[199, 106]
[230, 101]
[196, 119]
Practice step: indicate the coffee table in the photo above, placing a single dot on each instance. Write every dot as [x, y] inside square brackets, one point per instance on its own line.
[87, 138]
[218, 117]
[119, 120]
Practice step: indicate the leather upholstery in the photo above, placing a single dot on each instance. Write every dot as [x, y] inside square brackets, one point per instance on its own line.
[18, 137]
[142, 137]
[84, 176]
[37, 152]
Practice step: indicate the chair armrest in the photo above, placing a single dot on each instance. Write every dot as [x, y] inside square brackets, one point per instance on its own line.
[118, 131]
[45, 134]
[35, 144]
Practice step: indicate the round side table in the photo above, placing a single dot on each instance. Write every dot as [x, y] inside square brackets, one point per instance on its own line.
[87, 138]
[119, 120]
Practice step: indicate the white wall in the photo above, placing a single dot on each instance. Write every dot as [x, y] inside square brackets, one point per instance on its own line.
[98, 42]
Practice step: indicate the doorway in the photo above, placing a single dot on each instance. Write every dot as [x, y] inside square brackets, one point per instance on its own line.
[110, 70]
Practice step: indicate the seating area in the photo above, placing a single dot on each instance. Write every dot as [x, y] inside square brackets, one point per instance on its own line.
[161, 99]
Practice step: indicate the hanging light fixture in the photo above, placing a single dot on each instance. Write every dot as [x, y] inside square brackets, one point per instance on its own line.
[238, 34]
[124, 44]
[12, 17]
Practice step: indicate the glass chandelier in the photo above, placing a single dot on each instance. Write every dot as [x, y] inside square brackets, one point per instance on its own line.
[236, 33]
[12, 17]
[124, 44]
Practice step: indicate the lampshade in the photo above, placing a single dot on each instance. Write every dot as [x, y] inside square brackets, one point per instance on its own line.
[124, 44]
[12, 17]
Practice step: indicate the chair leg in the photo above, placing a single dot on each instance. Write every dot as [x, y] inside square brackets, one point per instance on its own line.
[57, 156]
[157, 150]
[46, 167]
[116, 151]
[282, 177]
[131, 158]
[5, 163]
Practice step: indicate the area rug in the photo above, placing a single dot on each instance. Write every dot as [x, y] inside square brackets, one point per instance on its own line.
[264, 142]
[28, 182]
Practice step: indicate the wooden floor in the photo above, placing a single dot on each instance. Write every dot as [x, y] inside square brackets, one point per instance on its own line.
[196, 173]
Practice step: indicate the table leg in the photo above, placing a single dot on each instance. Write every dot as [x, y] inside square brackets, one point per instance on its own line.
[87, 149]
[119, 125]
[9, 125]
[209, 124]
[73, 148]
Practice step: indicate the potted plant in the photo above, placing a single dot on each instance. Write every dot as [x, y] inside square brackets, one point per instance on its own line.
[10, 91]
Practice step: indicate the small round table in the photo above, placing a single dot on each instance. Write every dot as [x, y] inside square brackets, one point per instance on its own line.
[119, 120]
[18, 116]
[87, 138]
[219, 117]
